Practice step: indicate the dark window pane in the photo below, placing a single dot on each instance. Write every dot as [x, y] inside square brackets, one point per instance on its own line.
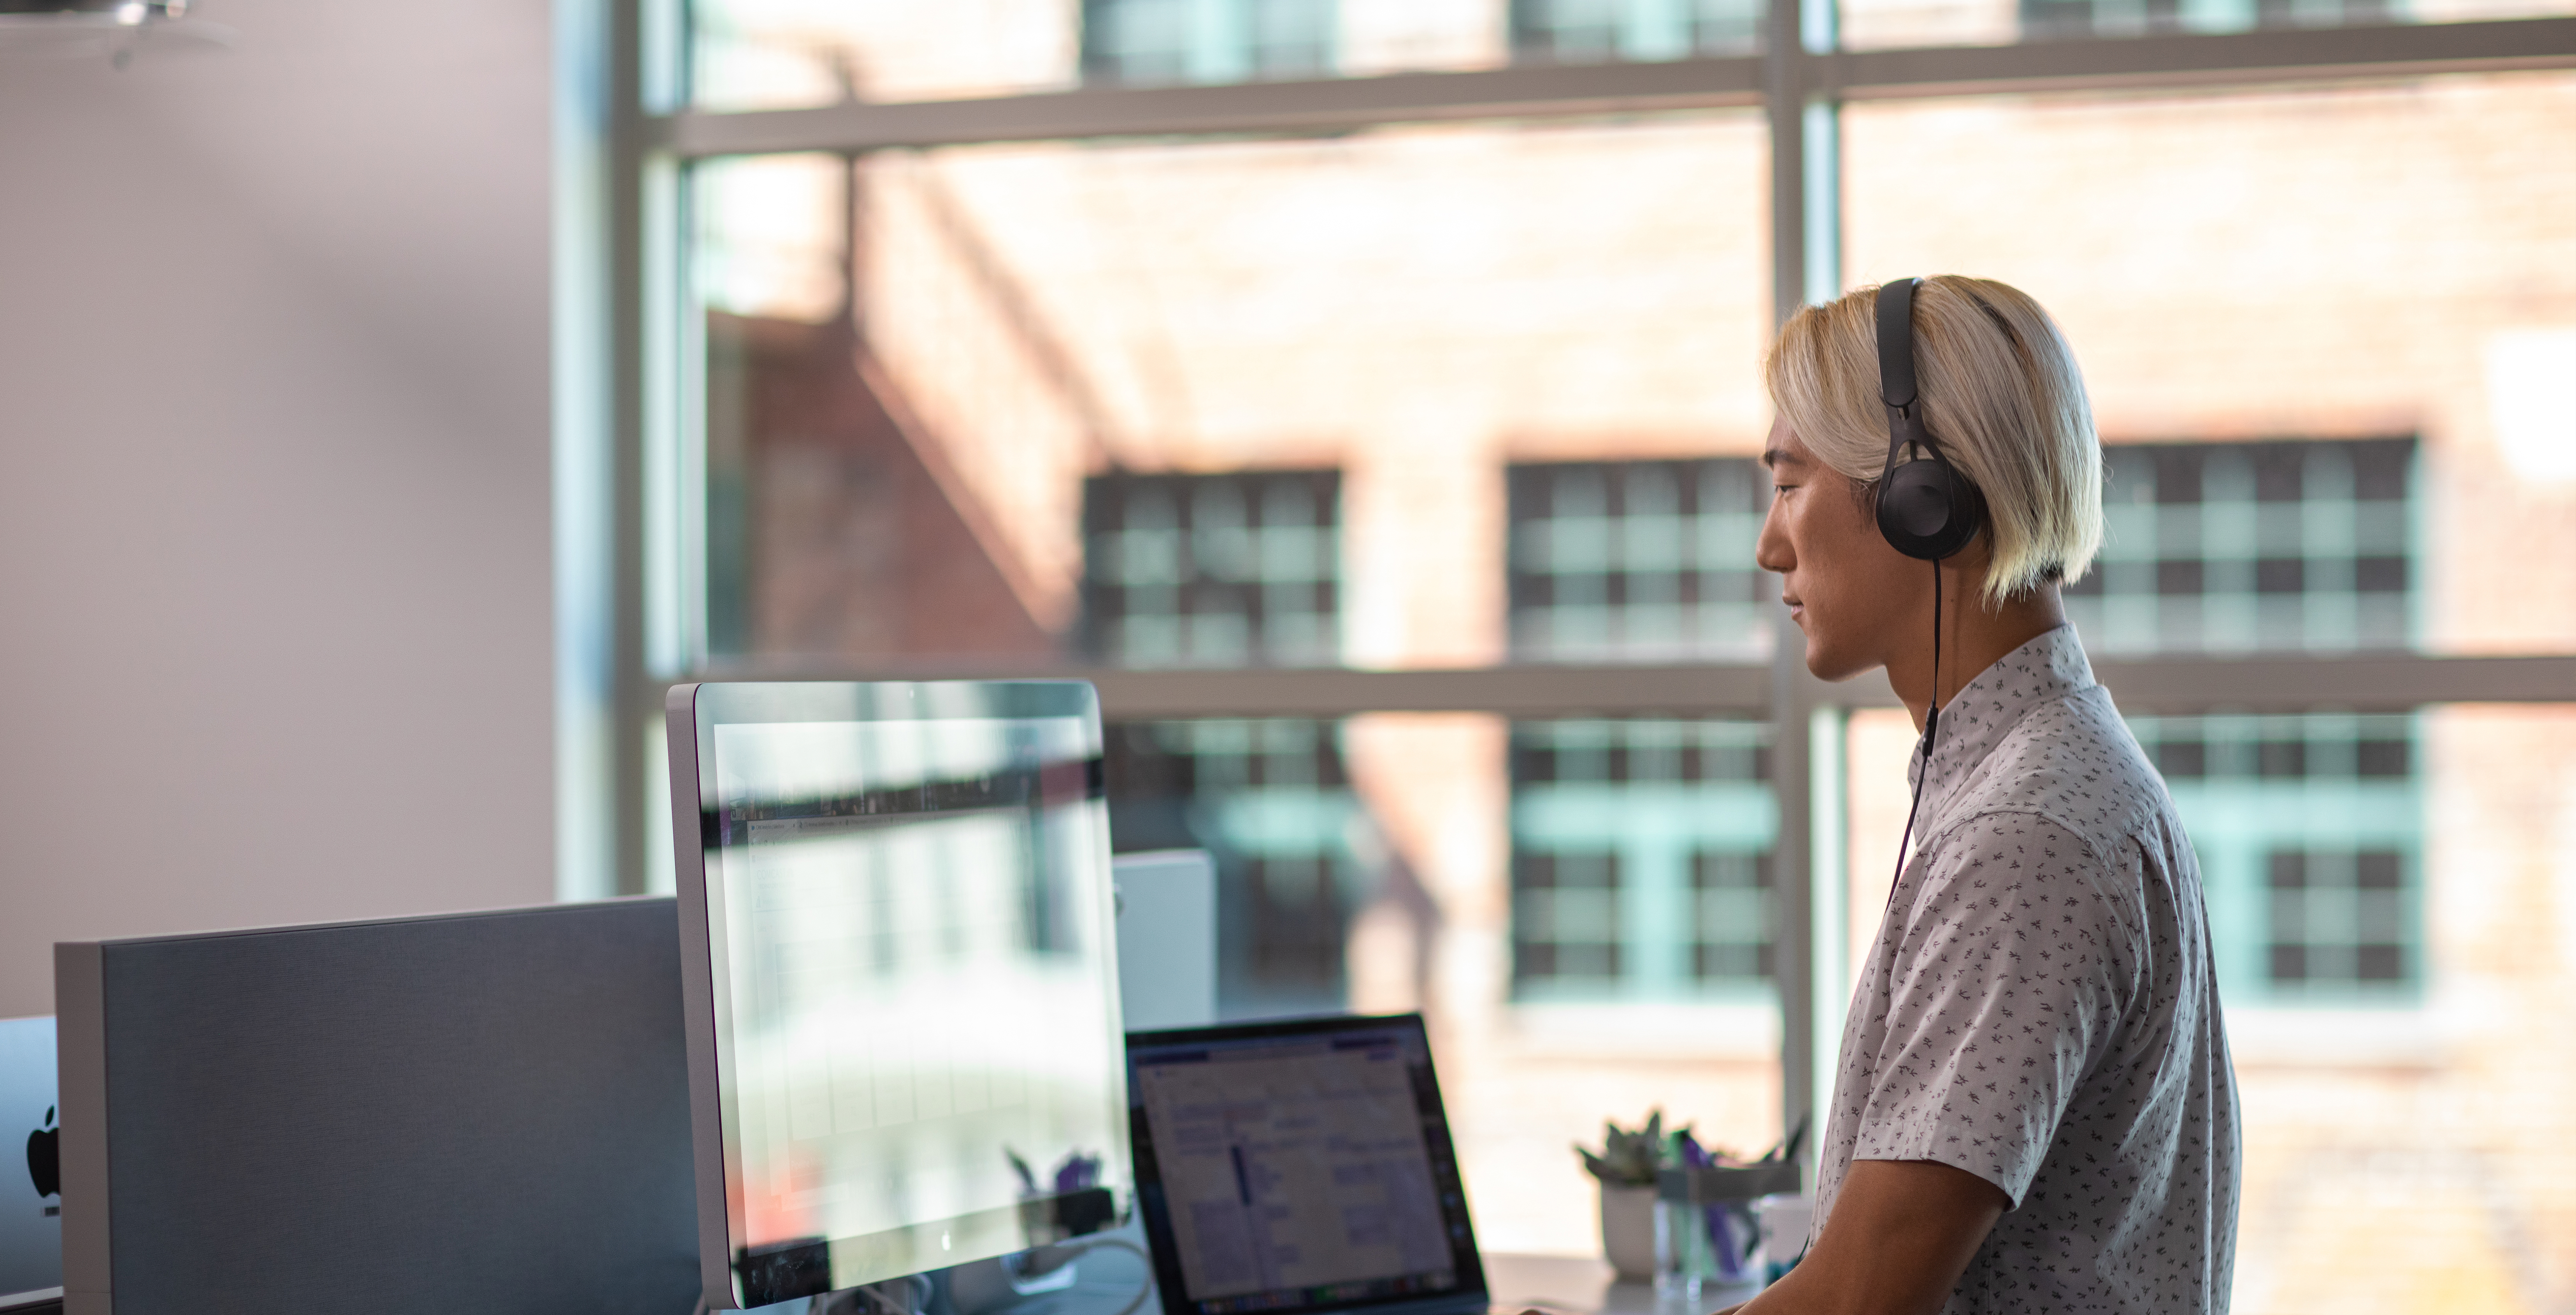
[2381, 469]
[2182, 759]
[2376, 869]
[2279, 575]
[2177, 474]
[2382, 758]
[2178, 577]
[2283, 758]
[2289, 963]
[2289, 870]
[2279, 473]
[2380, 963]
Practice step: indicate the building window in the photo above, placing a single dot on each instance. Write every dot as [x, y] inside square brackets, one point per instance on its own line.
[1270, 801]
[2338, 916]
[2310, 837]
[1162, 42]
[1641, 860]
[1637, 561]
[2054, 19]
[1213, 570]
[1601, 31]
[2239, 547]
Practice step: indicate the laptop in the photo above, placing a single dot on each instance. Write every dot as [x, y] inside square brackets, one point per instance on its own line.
[1300, 1167]
[31, 1203]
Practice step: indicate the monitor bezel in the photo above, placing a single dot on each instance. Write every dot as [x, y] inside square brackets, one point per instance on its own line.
[1471, 1292]
[692, 712]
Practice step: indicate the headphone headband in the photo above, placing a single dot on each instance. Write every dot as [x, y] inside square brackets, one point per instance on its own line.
[1926, 508]
[1896, 343]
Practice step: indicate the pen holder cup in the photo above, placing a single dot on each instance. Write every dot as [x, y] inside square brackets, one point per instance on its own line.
[1706, 1228]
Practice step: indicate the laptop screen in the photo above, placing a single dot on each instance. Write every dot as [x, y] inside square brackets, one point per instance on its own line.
[1298, 1166]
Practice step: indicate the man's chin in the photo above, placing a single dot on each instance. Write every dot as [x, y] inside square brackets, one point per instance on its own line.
[1834, 668]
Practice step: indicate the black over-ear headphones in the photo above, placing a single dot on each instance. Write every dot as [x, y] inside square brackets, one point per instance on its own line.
[1926, 508]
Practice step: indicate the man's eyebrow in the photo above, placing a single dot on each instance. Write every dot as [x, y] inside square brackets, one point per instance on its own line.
[1774, 457]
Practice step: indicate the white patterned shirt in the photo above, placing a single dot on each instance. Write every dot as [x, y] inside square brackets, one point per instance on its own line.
[2040, 1008]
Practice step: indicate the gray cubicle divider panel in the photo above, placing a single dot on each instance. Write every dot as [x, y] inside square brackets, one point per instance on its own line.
[477, 1112]
[1166, 938]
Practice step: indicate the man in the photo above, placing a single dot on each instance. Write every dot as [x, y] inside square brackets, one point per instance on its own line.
[2034, 1108]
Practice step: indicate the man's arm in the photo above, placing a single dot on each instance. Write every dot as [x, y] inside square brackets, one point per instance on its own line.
[1901, 1233]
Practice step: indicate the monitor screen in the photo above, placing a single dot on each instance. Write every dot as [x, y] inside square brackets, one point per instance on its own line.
[1300, 1166]
[913, 1045]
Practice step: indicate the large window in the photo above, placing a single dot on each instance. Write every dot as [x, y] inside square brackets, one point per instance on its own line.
[1365, 396]
[1143, 42]
[1638, 560]
[1641, 860]
[2239, 547]
[1212, 570]
[2310, 834]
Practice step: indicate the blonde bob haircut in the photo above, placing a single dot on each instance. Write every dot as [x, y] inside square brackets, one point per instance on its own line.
[2000, 393]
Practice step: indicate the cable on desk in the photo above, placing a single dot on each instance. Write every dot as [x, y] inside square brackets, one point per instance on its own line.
[1144, 1290]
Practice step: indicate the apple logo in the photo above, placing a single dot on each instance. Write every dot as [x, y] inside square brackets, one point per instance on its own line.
[44, 1158]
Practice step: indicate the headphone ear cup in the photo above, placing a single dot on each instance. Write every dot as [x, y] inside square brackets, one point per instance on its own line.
[1928, 511]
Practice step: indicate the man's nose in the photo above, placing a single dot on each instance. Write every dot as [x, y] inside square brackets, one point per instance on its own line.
[1771, 549]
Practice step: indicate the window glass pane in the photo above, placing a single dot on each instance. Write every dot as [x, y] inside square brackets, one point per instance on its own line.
[1877, 24]
[1641, 861]
[2310, 834]
[1227, 403]
[1638, 561]
[2318, 327]
[1603, 31]
[2238, 547]
[1213, 570]
[770, 54]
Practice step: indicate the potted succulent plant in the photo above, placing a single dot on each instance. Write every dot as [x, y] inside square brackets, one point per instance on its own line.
[1625, 1167]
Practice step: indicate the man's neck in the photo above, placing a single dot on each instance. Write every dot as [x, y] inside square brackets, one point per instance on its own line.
[1974, 636]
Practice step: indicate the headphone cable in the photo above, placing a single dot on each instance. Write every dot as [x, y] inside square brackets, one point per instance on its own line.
[1931, 726]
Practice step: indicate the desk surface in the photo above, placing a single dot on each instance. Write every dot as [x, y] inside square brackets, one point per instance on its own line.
[1585, 1285]
[1577, 1285]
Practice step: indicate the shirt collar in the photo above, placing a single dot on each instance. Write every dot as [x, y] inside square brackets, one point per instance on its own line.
[1975, 720]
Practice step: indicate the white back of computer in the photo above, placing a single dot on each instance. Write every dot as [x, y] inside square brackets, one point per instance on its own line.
[31, 1224]
[1166, 938]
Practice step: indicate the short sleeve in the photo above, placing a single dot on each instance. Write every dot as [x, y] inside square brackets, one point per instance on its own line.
[2006, 990]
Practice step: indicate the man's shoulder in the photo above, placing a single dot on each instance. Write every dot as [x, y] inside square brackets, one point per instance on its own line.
[2073, 762]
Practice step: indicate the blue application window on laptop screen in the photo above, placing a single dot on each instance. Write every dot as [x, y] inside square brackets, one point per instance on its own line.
[1301, 1167]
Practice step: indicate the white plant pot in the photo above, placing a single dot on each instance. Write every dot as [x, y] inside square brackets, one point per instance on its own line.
[1628, 1231]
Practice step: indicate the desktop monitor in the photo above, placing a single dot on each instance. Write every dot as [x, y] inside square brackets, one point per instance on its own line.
[899, 974]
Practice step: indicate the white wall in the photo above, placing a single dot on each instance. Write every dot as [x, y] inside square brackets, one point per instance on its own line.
[274, 561]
